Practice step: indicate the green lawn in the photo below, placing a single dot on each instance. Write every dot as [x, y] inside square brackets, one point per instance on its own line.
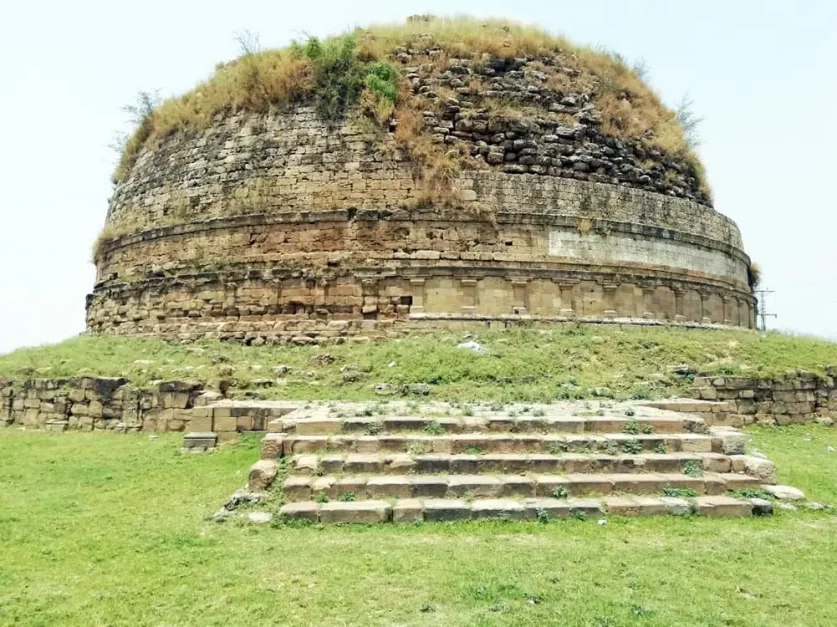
[106, 529]
[525, 365]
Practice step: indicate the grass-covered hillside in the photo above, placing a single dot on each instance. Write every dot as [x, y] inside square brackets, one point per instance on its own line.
[519, 365]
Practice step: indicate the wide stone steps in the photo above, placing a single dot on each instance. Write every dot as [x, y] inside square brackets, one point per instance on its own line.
[402, 462]
[494, 443]
[360, 487]
[540, 509]
[509, 424]
[508, 463]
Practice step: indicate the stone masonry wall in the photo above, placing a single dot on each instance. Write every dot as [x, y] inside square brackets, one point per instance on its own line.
[792, 398]
[97, 403]
[273, 226]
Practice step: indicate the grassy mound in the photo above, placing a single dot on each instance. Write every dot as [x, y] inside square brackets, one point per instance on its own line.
[362, 66]
[521, 365]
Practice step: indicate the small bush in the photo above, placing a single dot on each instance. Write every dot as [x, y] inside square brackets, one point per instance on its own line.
[751, 493]
[631, 427]
[374, 428]
[680, 492]
[434, 427]
[560, 492]
[693, 469]
[632, 447]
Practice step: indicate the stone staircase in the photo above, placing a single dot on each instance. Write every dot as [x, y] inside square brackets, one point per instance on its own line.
[438, 462]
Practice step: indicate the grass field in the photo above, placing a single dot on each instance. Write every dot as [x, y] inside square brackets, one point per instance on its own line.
[107, 529]
[521, 365]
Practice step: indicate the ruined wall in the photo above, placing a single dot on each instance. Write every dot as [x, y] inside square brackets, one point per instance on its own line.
[98, 403]
[792, 398]
[267, 226]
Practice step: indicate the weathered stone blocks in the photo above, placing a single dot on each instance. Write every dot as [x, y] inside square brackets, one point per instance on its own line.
[231, 258]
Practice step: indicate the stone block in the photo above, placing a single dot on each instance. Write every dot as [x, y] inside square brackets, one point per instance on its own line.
[460, 486]
[362, 464]
[300, 511]
[517, 486]
[676, 506]
[507, 509]
[297, 488]
[386, 487]
[408, 511]
[430, 487]
[199, 440]
[225, 424]
[763, 469]
[200, 423]
[305, 464]
[785, 492]
[262, 475]
[723, 506]
[273, 446]
[359, 512]
[446, 509]
[332, 464]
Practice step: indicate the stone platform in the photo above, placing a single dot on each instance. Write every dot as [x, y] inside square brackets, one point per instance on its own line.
[394, 462]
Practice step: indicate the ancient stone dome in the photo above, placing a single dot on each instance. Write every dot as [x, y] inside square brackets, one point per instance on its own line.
[432, 173]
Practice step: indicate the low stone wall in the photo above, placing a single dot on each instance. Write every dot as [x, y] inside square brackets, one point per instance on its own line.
[98, 403]
[792, 398]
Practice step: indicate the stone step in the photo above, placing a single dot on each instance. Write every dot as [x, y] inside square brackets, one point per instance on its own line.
[360, 487]
[492, 443]
[507, 463]
[714, 413]
[498, 424]
[540, 509]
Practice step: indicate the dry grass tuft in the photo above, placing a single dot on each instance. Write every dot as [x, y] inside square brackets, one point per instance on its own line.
[629, 108]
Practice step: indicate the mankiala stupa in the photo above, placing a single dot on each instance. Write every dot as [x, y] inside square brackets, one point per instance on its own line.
[437, 172]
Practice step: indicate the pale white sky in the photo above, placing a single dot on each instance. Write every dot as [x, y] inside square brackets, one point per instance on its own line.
[761, 73]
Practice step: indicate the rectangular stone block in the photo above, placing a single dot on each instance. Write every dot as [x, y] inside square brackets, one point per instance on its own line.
[517, 486]
[300, 511]
[460, 486]
[446, 509]
[508, 509]
[362, 464]
[723, 506]
[408, 511]
[389, 487]
[358, 512]
[224, 423]
[200, 423]
[430, 487]
[297, 488]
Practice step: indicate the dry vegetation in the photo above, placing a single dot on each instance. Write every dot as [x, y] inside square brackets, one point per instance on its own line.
[351, 67]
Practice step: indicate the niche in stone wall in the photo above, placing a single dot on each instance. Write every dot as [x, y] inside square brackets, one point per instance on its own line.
[495, 296]
[664, 303]
[544, 298]
[692, 306]
[714, 308]
[628, 301]
[590, 299]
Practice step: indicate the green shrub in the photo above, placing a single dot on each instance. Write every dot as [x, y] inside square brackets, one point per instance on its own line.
[679, 492]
